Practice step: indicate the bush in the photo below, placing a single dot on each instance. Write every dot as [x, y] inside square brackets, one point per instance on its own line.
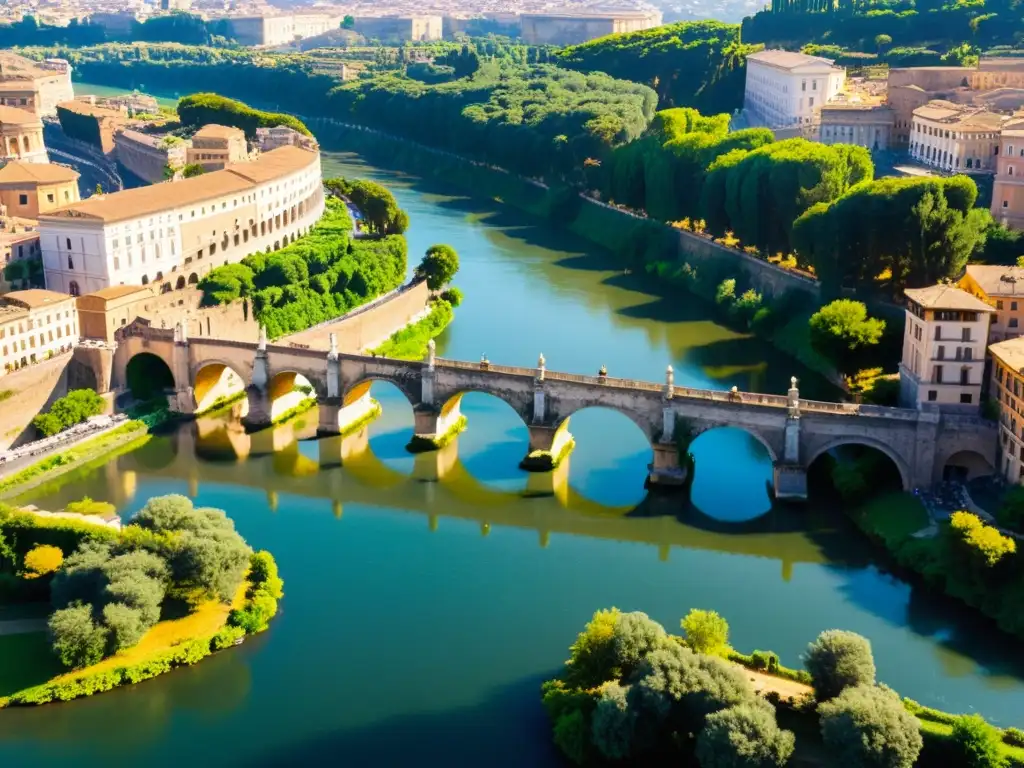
[74, 408]
[77, 640]
[765, 660]
[43, 559]
[635, 636]
[706, 632]
[227, 636]
[571, 736]
[592, 657]
[1014, 737]
[744, 736]
[976, 744]
[981, 540]
[1011, 513]
[842, 332]
[126, 625]
[612, 723]
[839, 660]
[438, 266]
[86, 506]
[452, 295]
[867, 725]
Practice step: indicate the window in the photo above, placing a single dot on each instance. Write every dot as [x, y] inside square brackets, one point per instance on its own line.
[811, 103]
[49, 197]
[968, 354]
[1013, 306]
[937, 374]
[932, 395]
[71, 264]
[965, 334]
[68, 241]
[22, 199]
[965, 376]
[940, 354]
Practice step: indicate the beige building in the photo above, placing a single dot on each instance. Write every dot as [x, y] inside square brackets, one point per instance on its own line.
[35, 325]
[175, 232]
[1002, 288]
[956, 137]
[283, 136]
[30, 189]
[945, 336]
[866, 125]
[149, 156]
[37, 87]
[19, 241]
[1008, 187]
[786, 89]
[399, 29]
[21, 133]
[574, 28]
[1008, 390]
[102, 313]
[215, 146]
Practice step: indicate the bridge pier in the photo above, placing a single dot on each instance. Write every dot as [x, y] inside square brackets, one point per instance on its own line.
[433, 466]
[549, 447]
[435, 429]
[336, 418]
[334, 450]
[665, 472]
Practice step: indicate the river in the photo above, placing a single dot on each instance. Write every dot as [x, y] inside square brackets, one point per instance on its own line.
[420, 617]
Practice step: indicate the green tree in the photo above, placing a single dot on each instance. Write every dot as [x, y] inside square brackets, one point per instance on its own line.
[438, 266]
[77, 640]
[592, 658]
[192, 169]
[612, 723]
[706, 632]
[867, 726]
[838, 660]
[1011, 512]
[572, 736]
[744, 736]
[125, 624]
[635, 635]
[74, 408]
[882, 41]
[348, 22]
[843, 333]
[976, 744]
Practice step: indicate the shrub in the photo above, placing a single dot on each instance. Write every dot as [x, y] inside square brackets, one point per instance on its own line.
[43, 559]
[256, 615]
[126, 625]
[1011, 512]
[612, 723]
[86, 506]
[706, 632]
[1014, 737]
[635, 636]
[867, 725]
[75, 407]
[744, 736]
[227, 636]
[725, 294]
[77, 640]
[838, 660]
[592, 657]
[976, 744]
[983, 540]
[452, 295]
[571, 736]
[263, 575]
[766, 660]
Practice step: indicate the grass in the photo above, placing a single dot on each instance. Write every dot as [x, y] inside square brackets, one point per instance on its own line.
[892, 517]
[410, 343]
[944, 731]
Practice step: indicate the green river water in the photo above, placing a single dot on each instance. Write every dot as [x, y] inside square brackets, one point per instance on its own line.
[420, 617]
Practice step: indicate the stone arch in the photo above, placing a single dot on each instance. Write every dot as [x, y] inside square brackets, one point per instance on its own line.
[286, 390]
[147, 375]
[193, 279]
[964, 463]
[705, 428]
[649, 429]
[180, 283]
[906, 475]
[145, 279]
[211, 381]
[359, 388]
[522, 410]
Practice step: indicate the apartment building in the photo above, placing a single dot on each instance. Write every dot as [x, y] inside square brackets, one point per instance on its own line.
[956, 137]
[175, 232]
[1008, 390]
[786, 89]
[215, 146]
[1002, 288]
[35, 325]
[945, 336]
[1008, 186]
[30, 189]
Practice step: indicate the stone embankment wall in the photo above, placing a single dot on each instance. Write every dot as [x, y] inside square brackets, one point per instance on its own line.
[19, 458]
[32, 389]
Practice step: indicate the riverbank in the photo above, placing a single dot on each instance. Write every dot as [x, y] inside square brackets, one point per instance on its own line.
[410, 343]
[642, 245]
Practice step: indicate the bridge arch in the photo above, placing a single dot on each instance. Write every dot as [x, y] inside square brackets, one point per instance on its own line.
[704, 428]
[361, 387]
[869, 442]
[148, 375]
[289, 389]
[217, 380]
[641, 420]
[521, 409]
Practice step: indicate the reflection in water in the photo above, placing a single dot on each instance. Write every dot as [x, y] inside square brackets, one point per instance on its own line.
[733, 476]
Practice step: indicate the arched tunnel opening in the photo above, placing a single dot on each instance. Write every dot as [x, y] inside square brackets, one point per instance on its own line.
[148, 377]
[852, 474]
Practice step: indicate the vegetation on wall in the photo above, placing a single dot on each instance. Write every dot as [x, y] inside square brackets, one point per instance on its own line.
[201, 109]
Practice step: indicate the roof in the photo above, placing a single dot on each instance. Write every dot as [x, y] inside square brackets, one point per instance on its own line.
[1010, 353]
[17, 116]
[789, 59]
[997, 280]
[946, 297]
[17, 86]
[168, 195]
[34, 298]
[964, 115]
[214, 131]
[114, 292]
[18, 172]
[83, 108]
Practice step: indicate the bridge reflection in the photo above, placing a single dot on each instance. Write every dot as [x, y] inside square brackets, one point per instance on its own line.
[285, 461]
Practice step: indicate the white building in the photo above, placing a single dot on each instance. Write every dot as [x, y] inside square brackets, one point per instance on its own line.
[35, 325]
[944, 341]
[786, 89]
[956, 137]
[175, 232]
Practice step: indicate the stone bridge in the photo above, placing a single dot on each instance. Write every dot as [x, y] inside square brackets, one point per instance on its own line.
[794, 431]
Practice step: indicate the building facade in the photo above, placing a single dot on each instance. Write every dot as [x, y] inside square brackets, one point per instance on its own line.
[944, 341]
[956, 137]
[1008, 186]
[399, 29]
[30, 189]
[283, 136]
[35, 325]
[148, 157]
[786, 89]
[866, 125]
[1002, 288]
[21, 136]
[37, 87]
[1007, 389]
[215, 146]
[173, 233]
[575, 28]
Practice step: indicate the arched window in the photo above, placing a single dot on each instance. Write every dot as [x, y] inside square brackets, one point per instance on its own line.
[145, 279]
[181, 282]
[24, 143]
[73, 288]
[71, 263]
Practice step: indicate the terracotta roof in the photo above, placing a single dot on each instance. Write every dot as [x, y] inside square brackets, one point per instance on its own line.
[83, 108]
[28, 86]
[16, 116]
[18, 172]
[214, 131]
[946, 297]
[1010, 353]
[34, 298]
[963, 115]
[788, 59]
[169, 195]
[113, 292]
[996, 280]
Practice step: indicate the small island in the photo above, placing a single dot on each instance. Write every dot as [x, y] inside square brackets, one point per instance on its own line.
[128, 603]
